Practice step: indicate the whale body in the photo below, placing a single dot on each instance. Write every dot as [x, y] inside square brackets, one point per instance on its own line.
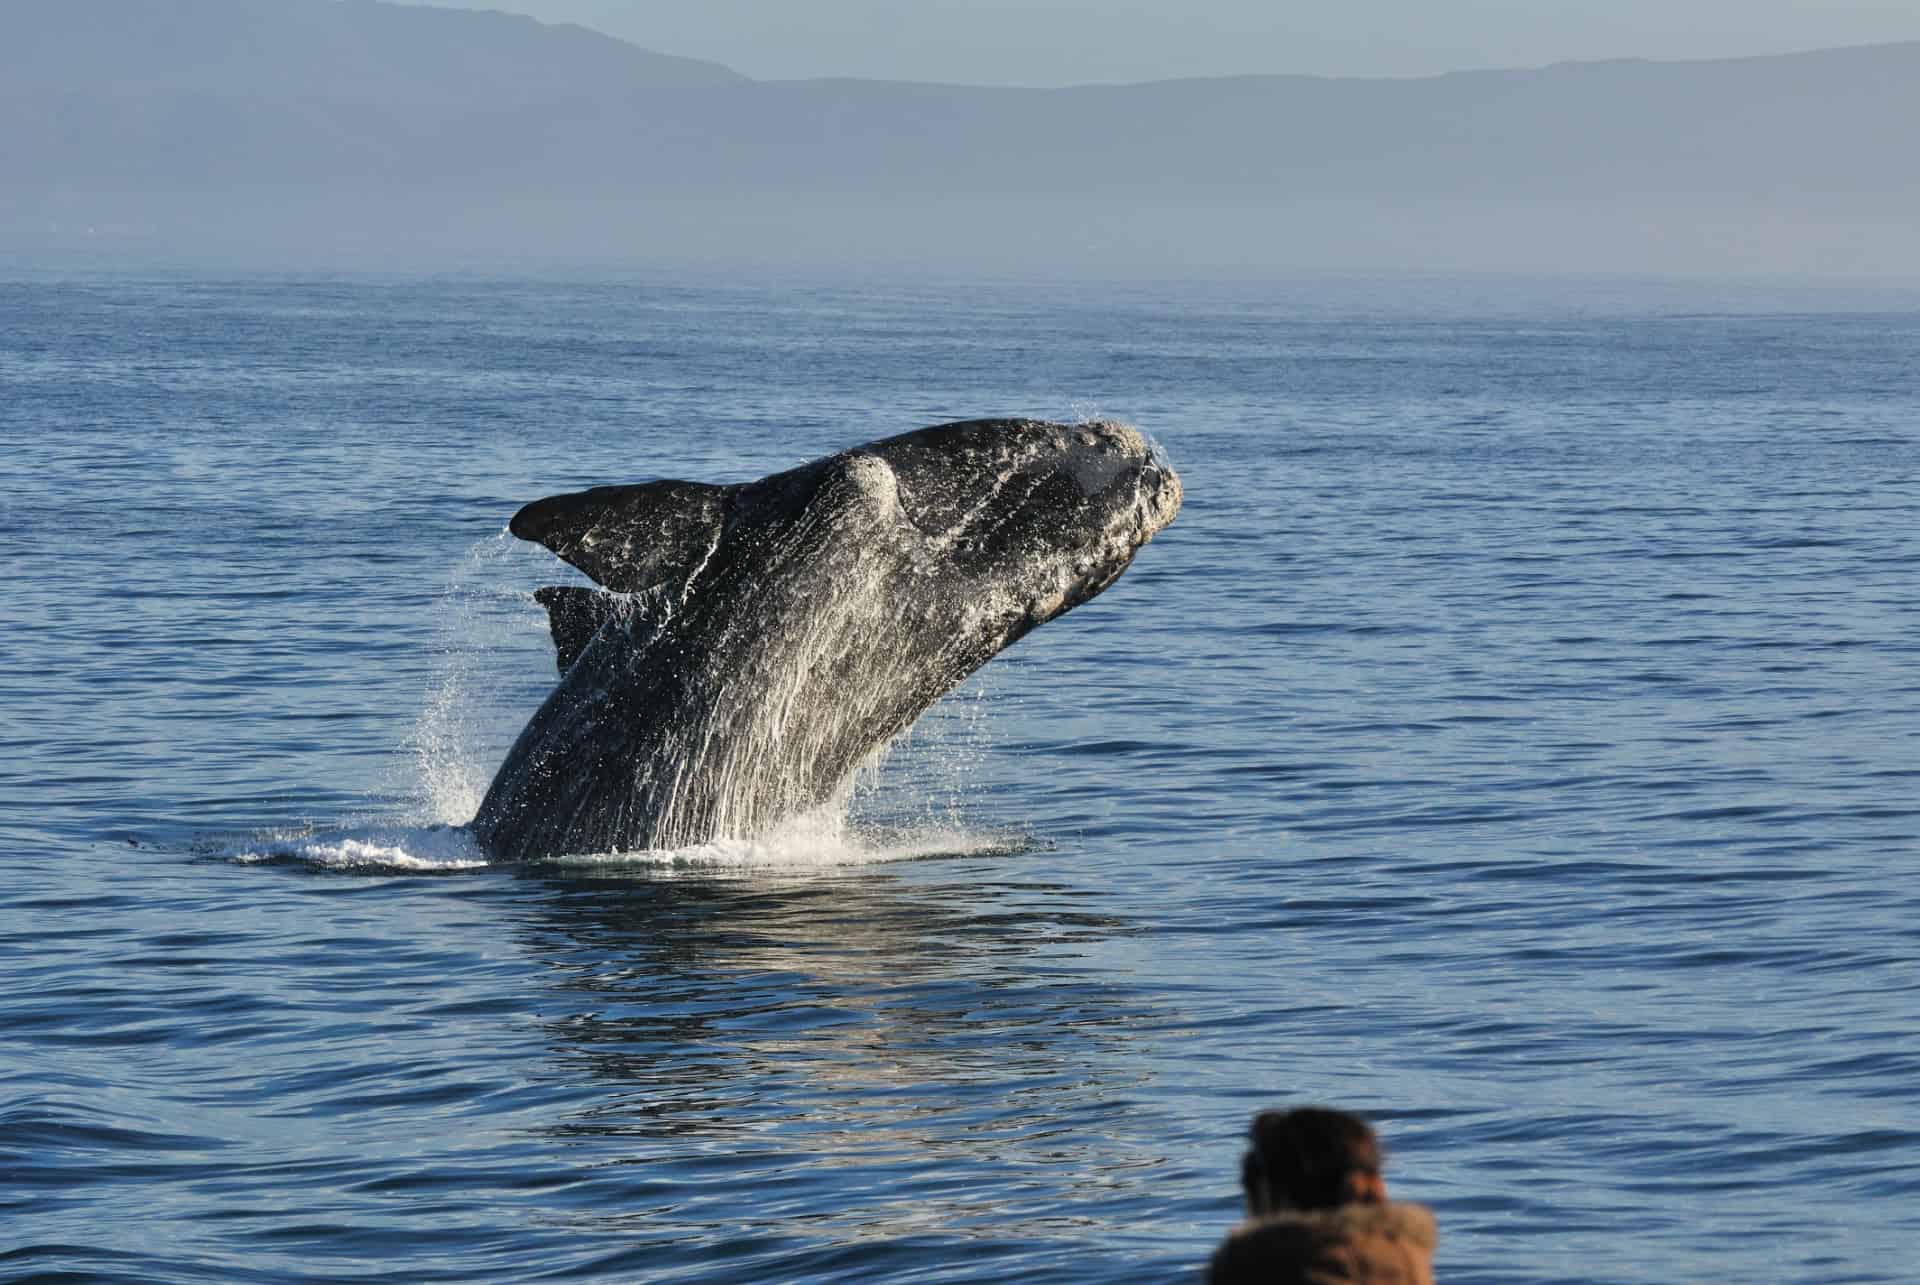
[752, 644]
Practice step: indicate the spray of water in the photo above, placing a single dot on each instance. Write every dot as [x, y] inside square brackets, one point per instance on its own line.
[449, 744]
[362, 849]
[484, 614]
[815, 656]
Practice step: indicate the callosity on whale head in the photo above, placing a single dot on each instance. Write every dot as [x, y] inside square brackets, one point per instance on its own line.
[764, 638]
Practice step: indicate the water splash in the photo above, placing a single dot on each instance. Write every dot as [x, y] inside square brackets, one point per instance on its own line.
[409, 849]
[928, 777]
[911, 810]
[449, 741]
[820, 841]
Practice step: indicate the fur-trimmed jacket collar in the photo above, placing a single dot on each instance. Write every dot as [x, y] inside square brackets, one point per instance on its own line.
[1351, 1245]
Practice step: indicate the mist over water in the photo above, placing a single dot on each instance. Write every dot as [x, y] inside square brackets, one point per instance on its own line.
[1511, 740]
[377, 137]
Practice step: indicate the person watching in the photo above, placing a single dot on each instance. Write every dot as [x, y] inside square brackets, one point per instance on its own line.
[1318, 1211]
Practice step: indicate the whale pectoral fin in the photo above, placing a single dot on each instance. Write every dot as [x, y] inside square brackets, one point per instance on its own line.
[629, 538]
[574, 614]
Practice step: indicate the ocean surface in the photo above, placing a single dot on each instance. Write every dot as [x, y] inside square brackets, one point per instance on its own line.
[1514, 739]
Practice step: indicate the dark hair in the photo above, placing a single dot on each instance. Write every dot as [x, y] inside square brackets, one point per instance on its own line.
[1301, 1159]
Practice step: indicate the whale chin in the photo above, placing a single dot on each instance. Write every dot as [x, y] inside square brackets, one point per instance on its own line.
[753, 644]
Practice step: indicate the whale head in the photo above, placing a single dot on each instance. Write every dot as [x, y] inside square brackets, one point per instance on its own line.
[1021, 519]
[1030, 518]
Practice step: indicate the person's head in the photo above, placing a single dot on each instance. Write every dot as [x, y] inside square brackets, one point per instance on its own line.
[1310, 1158]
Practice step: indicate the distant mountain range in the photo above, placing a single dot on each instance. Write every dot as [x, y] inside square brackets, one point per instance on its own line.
[338, 128]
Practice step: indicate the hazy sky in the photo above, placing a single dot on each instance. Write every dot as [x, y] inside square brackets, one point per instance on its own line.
[1059, 42]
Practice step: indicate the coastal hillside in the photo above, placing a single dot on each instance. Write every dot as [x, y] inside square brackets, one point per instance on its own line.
[350, 51]
[369, 127]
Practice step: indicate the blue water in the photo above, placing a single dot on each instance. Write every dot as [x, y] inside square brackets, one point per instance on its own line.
[1514, 739]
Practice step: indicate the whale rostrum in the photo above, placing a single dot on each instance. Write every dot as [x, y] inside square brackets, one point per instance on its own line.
[753, 644]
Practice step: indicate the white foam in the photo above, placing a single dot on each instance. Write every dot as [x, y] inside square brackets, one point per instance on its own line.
[808, 845]
[484, 625]
[792, 850]
[430, 849]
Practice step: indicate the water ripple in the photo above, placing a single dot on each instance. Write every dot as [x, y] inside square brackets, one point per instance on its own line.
[1512, 739]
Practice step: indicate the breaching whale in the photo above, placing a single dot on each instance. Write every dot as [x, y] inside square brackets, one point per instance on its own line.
[754, 643]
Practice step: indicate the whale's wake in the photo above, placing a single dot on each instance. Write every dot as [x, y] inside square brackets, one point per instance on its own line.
[808, 843]
[429, 849]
